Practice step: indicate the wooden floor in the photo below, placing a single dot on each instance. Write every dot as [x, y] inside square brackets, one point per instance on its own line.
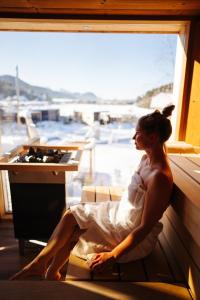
[84, 290]
[10, 260]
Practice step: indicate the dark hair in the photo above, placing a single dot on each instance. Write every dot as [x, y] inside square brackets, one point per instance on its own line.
[158, 122]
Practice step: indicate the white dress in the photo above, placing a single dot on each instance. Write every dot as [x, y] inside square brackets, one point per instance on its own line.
[108, 223]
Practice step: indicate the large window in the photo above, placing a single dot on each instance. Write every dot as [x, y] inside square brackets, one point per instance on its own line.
[70, 86]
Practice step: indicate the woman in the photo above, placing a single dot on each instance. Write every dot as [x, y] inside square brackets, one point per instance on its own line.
[124, 230]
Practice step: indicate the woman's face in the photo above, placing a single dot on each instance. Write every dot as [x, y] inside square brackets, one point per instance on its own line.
[142, 139]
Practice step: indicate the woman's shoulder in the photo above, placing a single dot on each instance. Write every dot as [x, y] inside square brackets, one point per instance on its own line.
[162, 177]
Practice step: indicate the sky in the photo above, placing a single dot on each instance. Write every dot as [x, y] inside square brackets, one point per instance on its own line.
[113, 66]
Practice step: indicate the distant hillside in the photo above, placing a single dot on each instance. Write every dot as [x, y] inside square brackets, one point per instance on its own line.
[7, 88]
[145, 100]
[31, 92]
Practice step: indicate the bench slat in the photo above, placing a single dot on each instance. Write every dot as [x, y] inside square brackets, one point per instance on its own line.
[195, 158]
[174, 267]
[108, 275]
[102, 193]
[132, 271]
[77, 269]
[184, 183]
[88, 194]
[189, 214]
[186, 263]
[187, 165]
[115, 192]
[185, 235]
[156, 266]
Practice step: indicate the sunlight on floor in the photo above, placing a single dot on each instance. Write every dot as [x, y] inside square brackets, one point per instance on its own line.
[137, 290]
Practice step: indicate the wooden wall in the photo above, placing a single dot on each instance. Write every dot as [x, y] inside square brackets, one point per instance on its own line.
[102, 7]
[192, 121]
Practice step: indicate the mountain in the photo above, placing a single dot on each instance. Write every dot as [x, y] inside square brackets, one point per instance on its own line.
[7, 88]
[31, 92]
[145, 100]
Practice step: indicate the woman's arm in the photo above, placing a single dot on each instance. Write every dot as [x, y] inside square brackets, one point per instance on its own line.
[156, 201]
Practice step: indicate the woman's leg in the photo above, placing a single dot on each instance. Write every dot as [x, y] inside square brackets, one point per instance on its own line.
[60, 237]
[53, 272]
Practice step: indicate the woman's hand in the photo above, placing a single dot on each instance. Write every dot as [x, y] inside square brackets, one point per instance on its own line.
[102, 261]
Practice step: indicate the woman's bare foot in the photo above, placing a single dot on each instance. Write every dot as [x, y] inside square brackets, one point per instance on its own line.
[28, 271]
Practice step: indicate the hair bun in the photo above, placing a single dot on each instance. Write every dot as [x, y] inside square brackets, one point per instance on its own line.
[167, 111]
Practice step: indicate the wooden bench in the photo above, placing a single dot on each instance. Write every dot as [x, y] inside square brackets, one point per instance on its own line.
[182, 218]
[181, 147]
[157, 272]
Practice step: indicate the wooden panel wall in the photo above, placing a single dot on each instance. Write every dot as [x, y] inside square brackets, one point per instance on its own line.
[103, 7]
[193, 121]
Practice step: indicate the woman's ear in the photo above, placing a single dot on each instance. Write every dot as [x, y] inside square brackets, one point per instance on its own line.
[154, 138]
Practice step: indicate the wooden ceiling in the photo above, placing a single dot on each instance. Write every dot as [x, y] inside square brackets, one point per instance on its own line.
[38, 8]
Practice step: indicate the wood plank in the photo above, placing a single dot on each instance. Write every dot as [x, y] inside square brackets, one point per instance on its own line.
[37, 167]
[77, 269]
[174, 267]
[132, 271]
[66, 4]
[189, 214]
[189, 268]
[184, 183]
[111, 274]
[102, 193]
[195, 158]
[187, 166]
[179, 147]
[113, 11]
[193, 120]
[52, 147]
[156, 266]
[99, 12]
[84, 290]
[111, 4]
[15, 3]
[187, 239]
[8, 155]
[37, 177]
[97, 7]
[115, 26]
[143, 291]
[159, 4]
[115, 192]
[88, 194]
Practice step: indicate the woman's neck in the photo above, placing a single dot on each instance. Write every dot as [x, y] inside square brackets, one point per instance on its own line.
[156, 155]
